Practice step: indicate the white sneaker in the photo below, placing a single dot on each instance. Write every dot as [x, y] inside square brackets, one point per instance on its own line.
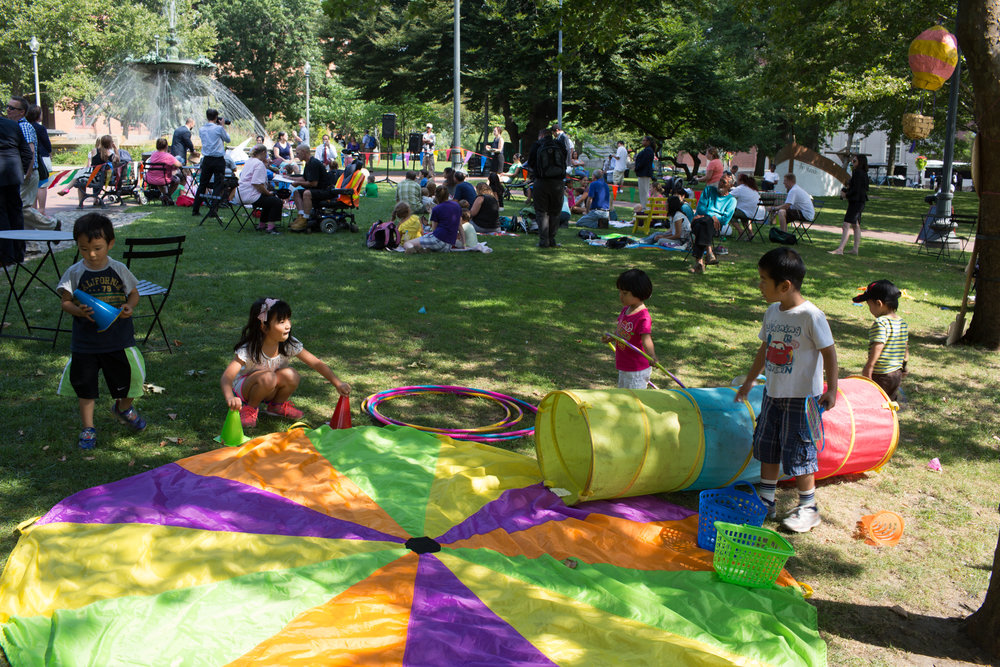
[802, 519]
[772, 509]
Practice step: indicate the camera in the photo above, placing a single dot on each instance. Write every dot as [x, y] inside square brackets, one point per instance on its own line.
[225, 121]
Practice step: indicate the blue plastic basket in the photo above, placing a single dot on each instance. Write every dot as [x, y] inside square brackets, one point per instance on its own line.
[729, 505]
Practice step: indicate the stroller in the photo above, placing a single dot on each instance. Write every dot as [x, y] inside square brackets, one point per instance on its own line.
[110, 184]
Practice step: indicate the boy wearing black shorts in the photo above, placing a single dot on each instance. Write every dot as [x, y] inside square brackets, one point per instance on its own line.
[796, 346]
[111, 351]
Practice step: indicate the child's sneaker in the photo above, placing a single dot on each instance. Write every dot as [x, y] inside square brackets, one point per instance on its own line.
[88, 438]
[285, 409]
[772, 509]
[248, 416]
[130, 417]
[802, 519]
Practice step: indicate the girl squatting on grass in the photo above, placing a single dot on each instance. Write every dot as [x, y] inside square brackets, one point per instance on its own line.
[259, 374]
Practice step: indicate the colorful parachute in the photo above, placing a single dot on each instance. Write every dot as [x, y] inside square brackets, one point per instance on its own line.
[933, 56]
[384, 546]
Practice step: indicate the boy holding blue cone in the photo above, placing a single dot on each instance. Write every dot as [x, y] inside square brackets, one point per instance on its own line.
[111, 351]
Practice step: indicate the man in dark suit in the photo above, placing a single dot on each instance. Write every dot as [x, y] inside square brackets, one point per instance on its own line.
[181, 144]
[15, 156]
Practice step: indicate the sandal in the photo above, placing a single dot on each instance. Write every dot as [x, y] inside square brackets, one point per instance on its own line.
[712, 262]
[695, 269]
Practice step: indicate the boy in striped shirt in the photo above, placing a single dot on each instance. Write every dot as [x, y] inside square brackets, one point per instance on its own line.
[888, 348]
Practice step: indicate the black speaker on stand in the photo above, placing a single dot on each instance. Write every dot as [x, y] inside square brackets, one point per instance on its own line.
[388, 134]
[416, 140]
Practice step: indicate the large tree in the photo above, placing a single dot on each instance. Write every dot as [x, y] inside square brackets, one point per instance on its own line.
[979, 39]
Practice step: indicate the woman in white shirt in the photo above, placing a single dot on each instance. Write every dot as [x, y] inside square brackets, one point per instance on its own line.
[747, 203]
[680, 232]
[252, 189]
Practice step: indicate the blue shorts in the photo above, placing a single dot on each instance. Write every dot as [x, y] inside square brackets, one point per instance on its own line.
[782, 436]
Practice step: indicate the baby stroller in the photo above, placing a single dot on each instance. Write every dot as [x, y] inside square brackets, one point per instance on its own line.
[336, 213]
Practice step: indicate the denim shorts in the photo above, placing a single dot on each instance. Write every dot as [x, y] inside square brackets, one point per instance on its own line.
[782, 436]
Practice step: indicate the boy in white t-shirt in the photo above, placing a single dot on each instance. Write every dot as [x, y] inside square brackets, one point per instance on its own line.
[796, 346]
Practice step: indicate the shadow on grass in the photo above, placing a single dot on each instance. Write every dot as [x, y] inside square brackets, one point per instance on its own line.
[881, 626]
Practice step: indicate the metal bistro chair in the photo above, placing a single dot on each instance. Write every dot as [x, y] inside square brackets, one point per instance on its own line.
[155, 248]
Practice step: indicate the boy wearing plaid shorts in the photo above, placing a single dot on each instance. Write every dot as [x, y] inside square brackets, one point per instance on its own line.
[796, 345]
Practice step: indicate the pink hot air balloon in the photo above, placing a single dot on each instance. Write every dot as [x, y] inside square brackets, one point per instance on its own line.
[933, 56]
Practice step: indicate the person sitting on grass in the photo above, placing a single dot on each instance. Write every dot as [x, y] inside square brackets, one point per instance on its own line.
[715, 209]
[408, 191]
[680, 232]
[485, 210]
[467, 237]
[163, 176]
[597, 203]
[407, 223]
[446, 221]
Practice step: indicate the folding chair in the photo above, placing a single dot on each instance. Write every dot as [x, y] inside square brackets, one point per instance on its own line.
[240, 212]
[656, 209]
[969, 221]
[163, 247]
[751, 226]
[215, 203]
[801, 227]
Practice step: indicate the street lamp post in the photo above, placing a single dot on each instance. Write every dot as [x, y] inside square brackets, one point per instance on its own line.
[33, 45]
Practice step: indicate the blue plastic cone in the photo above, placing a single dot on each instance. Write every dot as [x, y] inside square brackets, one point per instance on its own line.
[104, 314]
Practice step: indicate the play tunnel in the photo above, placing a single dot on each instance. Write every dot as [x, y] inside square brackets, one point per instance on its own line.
[614, 443]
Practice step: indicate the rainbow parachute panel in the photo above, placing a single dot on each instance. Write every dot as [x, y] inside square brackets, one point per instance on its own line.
[384, 546]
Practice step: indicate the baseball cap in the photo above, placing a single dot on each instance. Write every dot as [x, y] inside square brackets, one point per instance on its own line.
[880, 290]
[429, 126]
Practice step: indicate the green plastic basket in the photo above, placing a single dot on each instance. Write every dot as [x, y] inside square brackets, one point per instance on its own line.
[748, 555]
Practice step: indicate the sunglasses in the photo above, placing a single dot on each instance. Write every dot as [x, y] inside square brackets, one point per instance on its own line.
[10, 108]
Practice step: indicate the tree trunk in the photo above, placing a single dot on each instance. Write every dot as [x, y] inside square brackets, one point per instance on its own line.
[979, 38]
[760, 166]
[984, 626]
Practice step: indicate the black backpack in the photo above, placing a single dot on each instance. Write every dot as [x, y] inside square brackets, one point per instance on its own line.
[550, 161]
[778, 236]
[382, 236]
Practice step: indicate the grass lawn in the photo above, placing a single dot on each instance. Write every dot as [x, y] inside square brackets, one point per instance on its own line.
[524, 322]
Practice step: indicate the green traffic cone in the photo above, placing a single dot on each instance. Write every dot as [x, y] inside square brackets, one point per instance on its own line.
[232, 430]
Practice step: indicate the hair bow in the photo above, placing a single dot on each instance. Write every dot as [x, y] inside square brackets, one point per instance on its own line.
[263, 310]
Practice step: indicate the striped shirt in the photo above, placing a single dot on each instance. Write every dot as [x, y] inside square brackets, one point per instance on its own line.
[891, 332]
[30, 136]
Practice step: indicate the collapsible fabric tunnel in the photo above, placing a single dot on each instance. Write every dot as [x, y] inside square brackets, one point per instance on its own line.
[378, 546]
[594, 444]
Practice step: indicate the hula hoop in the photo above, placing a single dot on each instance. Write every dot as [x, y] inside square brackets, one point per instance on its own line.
[514, 409]
[648, 358]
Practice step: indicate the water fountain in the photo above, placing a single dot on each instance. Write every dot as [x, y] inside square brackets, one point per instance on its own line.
[153, 94]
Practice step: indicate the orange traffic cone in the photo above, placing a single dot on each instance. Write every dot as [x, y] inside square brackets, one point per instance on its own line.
[341, 414]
